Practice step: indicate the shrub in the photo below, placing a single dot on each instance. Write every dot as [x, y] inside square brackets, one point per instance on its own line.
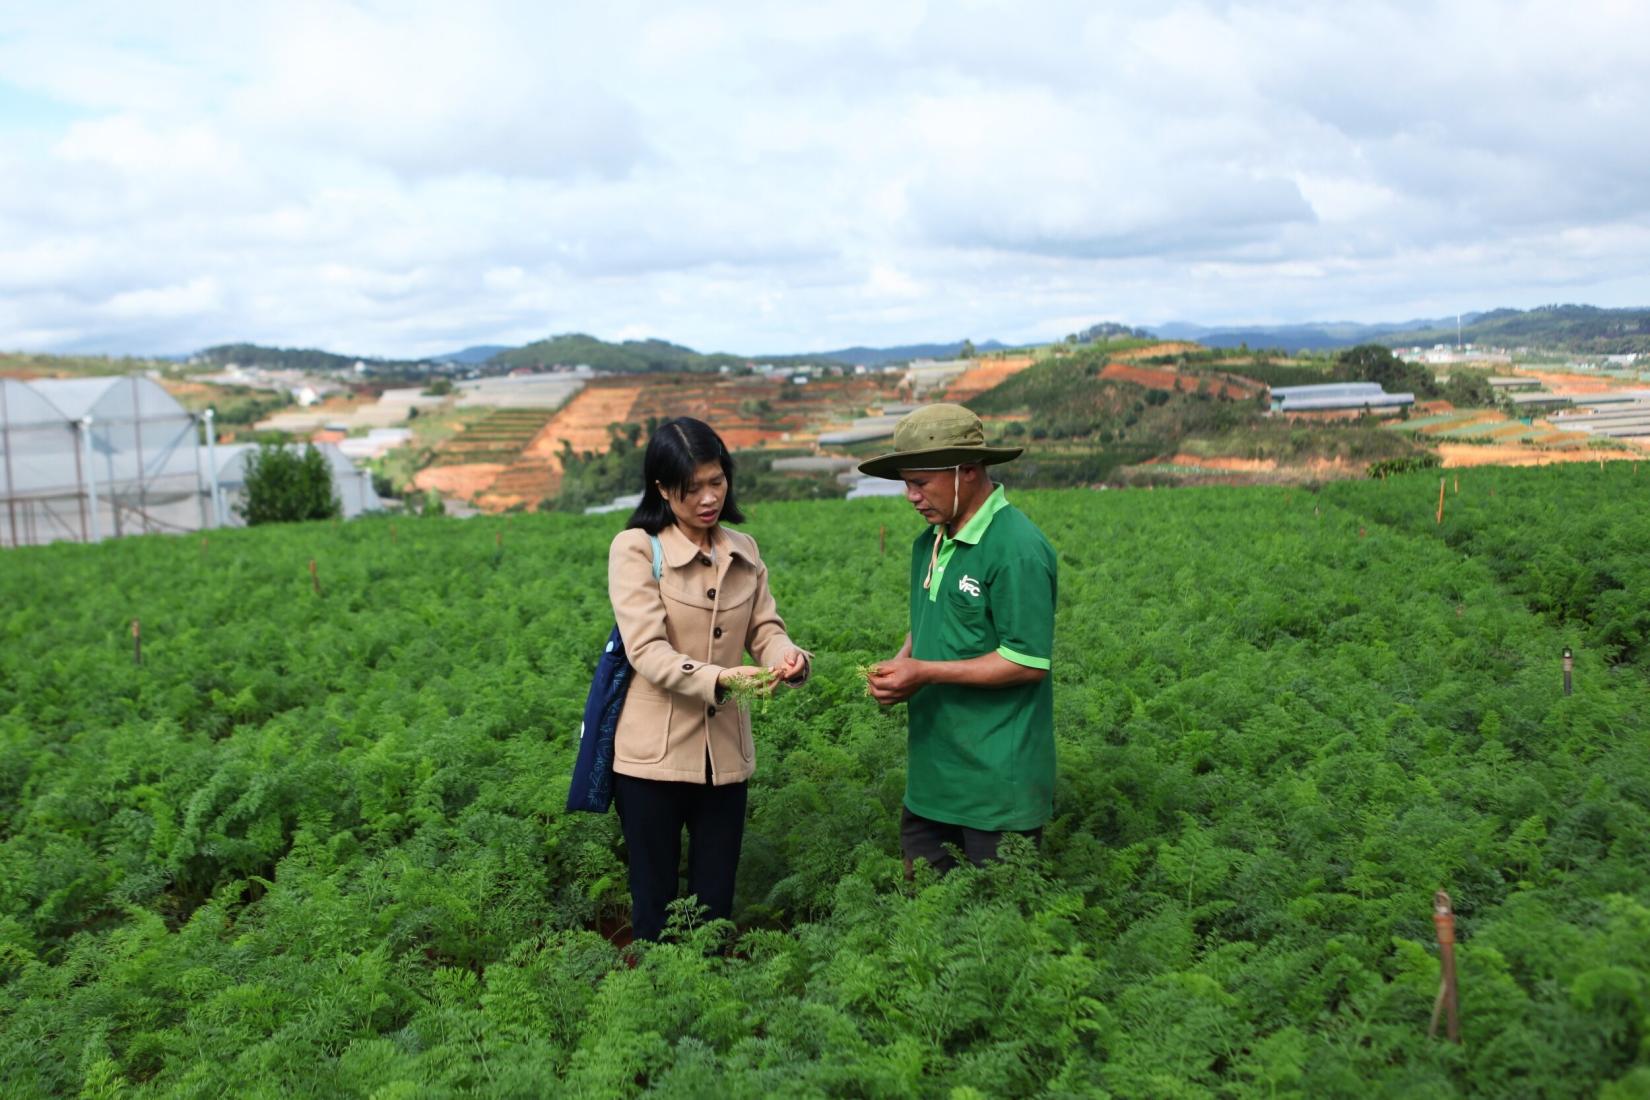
[286, 486]
[1425, 460]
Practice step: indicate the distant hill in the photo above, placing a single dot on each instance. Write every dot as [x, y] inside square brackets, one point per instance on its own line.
[1311, 336]
[1107, 332]
[1569, 328]
[480, 353]
[633, 356]
[1565, 328]
[256, 355]
[879, 357]
[1573, 328]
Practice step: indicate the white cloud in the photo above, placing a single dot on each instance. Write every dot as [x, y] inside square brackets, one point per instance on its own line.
[404, 178]
[165, 302]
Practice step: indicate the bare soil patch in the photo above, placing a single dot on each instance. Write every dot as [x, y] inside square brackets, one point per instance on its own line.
[1173, 347]
[1495, 454]
[466, 481]
[985, 375]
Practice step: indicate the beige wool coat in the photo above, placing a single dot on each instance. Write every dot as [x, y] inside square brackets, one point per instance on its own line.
[701, 616]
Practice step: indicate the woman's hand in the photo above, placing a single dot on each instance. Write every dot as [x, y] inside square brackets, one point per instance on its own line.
[754, 673]
[792, 668]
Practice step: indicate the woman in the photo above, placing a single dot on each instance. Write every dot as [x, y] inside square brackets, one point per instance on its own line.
[682, 750]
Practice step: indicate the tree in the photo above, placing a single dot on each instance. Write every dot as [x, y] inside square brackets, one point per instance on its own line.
[285, 486]
[1469, 388]
[967, 350]
[1374, 363]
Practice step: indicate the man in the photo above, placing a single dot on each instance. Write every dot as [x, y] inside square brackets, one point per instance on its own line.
[974, 670]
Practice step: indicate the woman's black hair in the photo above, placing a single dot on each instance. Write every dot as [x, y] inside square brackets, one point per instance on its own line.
[676, 451]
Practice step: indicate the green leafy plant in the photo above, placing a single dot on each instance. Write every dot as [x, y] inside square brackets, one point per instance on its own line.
[751, 691]
[318, 847]
[287, 486]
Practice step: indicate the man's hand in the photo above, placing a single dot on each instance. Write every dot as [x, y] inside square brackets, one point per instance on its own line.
[898, 678]
[895, 680]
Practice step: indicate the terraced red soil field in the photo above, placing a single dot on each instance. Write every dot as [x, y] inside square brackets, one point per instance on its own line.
[496, 470]
[985, 375]
[463, 480]
[1171, 347]
[498, 437]
[535, 475]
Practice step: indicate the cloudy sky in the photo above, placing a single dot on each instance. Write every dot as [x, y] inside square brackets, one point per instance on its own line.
[406, 177]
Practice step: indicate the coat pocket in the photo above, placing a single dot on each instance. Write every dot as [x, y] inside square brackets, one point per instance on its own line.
[643, 734]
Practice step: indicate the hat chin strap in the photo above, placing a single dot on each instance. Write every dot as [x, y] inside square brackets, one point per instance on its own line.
[939, 528]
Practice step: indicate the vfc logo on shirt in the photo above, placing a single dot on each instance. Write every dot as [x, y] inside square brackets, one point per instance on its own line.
[969, 585]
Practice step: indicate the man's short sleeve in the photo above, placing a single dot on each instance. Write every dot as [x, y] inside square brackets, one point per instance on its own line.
[1022, 609]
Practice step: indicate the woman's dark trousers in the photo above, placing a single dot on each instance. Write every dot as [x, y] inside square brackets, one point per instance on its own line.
[652, 813]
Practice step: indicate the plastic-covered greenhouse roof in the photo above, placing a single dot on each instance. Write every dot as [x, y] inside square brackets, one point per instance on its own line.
[22, 406]
[1328, 389]
[122, 398]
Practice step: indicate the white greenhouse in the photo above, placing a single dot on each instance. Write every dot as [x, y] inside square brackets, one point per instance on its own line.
[91, 458]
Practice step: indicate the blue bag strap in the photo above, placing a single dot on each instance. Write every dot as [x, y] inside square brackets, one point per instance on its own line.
[658, 557]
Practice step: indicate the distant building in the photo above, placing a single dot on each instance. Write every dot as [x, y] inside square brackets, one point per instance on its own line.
[924, 375]
[1442, 354]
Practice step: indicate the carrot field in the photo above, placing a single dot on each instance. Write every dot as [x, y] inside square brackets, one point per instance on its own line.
[305, 835]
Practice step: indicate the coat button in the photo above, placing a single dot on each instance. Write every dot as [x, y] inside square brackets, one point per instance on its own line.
[687, 667]
[710, 593]
[703, 560]
[717, 633]
[711, 711]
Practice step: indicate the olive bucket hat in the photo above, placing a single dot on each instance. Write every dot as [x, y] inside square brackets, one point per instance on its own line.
[935, 437]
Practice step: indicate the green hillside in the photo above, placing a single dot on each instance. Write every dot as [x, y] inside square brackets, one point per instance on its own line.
[31, 365]
[314, 844]
[1573, 328]
[1067, 409]
[257, 355]
[630, 356]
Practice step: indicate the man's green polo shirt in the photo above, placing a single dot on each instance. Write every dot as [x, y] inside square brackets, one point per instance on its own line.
[984, 757]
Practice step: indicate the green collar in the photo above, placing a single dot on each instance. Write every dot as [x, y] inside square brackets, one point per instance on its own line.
[974, 529]
[972, 532]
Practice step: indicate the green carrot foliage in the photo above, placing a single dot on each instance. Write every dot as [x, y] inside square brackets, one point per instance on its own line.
[316, 847]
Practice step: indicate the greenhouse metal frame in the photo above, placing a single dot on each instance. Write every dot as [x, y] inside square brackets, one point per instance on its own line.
[85, 459]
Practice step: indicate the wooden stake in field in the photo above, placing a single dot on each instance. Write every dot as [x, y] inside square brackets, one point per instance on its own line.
[1457, 484]
[1449, 1000]
[1440, 500]
[137, 642]
[314, 578]
[393, 537]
